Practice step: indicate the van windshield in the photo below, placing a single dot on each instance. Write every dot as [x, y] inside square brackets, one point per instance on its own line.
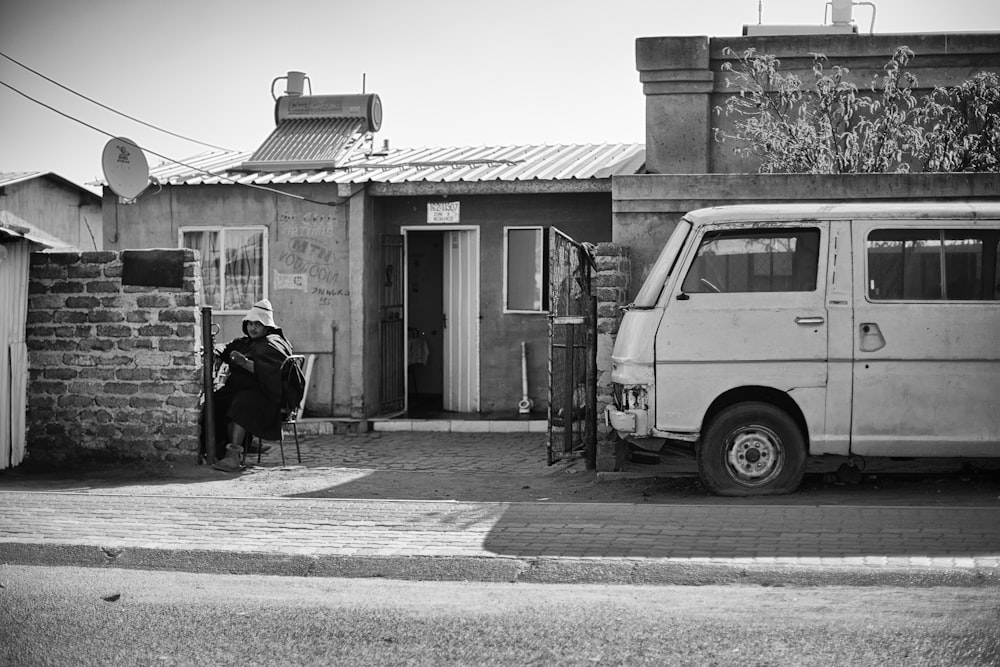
[649, 294]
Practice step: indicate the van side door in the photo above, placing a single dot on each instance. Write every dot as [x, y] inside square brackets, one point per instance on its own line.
[926, 338]
[746, 310]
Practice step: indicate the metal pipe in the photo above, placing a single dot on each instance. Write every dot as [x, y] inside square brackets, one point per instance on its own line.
[207, 453]
[333, 368]
[525, 404]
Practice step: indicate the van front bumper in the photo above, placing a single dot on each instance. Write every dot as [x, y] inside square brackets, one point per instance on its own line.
[629, 422]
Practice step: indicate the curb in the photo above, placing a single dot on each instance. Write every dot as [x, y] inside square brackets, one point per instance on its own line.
[539, 570]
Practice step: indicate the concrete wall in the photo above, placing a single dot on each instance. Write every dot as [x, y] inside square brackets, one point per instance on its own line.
[310, 278]
[683, 84]
[115, 371]
[647, 207]
[71, 214]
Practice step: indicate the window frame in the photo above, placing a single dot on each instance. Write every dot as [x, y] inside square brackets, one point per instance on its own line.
[982, 234]
[222, 230]
[542, 264]
[789, 229]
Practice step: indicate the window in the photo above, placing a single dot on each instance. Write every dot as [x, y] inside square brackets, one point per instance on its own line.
[933, 265]
[233, 271]
[524, 269]
[775, 260]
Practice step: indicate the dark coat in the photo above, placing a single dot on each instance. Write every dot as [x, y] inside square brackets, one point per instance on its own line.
[252, 400]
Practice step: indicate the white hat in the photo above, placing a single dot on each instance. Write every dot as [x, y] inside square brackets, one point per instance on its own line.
[261, 312]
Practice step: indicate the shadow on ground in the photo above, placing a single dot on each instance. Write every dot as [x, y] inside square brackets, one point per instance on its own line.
[564, 482]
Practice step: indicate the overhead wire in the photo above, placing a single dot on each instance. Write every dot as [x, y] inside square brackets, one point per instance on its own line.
[174, 161]
[112, 110]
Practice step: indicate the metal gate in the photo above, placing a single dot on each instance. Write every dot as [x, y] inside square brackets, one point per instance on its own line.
[572, 352]
[391, 340]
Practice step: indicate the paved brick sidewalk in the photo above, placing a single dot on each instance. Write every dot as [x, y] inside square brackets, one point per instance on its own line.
[509, 541]
[494, 541]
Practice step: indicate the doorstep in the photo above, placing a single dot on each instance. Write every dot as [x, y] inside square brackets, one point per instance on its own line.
[337, 425]
[460, 425]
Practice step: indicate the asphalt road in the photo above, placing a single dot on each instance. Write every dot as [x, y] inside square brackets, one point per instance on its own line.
[74, 616]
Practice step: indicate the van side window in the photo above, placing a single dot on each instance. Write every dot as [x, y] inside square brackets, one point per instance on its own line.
[773, 260]
[933, 265]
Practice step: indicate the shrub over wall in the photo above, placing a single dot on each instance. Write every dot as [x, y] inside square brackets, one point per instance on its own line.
[114, 370]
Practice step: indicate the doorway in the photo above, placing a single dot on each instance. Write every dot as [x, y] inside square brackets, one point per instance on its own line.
[442, 320]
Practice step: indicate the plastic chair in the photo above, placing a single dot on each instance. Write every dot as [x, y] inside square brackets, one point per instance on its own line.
[290, 417]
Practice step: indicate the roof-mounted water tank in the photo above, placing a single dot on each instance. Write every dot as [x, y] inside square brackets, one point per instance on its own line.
[367, 107]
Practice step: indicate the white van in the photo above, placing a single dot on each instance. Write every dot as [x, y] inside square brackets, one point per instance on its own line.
[768, 333]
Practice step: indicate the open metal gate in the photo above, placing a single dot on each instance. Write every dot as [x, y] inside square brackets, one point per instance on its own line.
[572, 415]
[392, 385]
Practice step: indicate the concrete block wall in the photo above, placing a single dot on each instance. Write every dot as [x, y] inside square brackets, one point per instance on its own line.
[611, 286]
[114, 370]
[683, 83]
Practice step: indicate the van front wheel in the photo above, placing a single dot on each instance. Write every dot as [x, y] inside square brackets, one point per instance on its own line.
[752, 449]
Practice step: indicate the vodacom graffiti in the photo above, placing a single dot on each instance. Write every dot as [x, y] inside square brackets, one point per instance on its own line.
[311, 258]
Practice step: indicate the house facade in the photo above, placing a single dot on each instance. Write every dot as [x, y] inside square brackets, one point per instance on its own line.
[413, 275]
[51, 203]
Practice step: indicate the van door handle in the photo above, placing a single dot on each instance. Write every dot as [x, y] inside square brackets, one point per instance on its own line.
[808, 321]
[872, 339]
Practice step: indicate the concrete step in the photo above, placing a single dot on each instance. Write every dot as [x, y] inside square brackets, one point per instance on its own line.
[339, 425]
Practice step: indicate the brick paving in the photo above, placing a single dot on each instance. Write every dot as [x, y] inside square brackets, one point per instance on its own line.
[499, 540]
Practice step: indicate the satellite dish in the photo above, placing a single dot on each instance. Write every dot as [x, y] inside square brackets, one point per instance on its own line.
[125, 168]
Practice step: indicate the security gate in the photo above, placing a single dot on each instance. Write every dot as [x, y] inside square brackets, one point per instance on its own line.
[391, 384]
[572, 414]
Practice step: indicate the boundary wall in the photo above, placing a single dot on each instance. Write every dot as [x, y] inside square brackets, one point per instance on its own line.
[115, 370]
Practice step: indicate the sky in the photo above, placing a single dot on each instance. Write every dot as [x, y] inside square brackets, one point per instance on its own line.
[448, 72]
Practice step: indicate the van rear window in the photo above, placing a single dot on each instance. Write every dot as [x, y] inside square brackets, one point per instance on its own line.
[771, 260]
[933, 265]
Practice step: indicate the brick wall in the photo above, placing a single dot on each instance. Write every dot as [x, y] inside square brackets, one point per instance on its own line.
[115, 370]
[611, 283]
[614, 268]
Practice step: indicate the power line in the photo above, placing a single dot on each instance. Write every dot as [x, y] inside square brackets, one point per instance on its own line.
[170, 159]
[104, 106]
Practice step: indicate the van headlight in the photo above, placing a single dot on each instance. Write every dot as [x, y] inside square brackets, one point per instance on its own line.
[629, 397]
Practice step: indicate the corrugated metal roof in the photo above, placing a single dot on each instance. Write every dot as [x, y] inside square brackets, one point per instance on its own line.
[410, 165]
[12, 177]
[15, 177]
[12, 226]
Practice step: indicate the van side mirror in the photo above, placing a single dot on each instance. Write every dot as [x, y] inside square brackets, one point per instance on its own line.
[683, 297]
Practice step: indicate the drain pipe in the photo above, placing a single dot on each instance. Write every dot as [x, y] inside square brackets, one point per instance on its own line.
[525, 404]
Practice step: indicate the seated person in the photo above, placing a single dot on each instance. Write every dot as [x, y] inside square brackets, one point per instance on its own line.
[249, 403]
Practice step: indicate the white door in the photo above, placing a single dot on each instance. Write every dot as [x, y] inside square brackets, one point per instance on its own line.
[927, 338]
[461, 320]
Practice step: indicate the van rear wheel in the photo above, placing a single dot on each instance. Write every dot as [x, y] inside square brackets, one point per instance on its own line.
[752, 449]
